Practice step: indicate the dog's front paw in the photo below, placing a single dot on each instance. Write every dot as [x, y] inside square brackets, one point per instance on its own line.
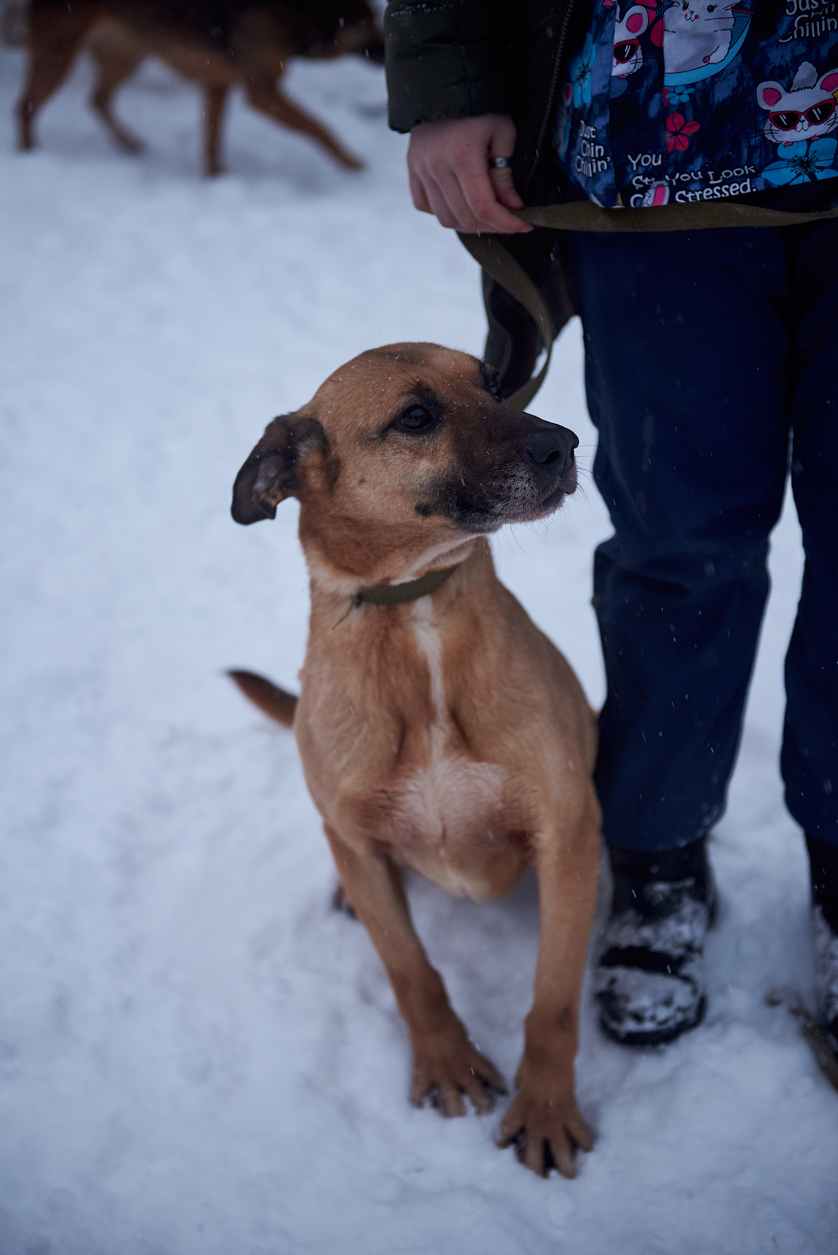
[546, 1130]
[447, 1070]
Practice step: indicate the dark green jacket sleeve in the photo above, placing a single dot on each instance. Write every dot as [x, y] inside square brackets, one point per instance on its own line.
[448, 59]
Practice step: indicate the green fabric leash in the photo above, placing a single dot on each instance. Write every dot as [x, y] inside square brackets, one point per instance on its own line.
[491, 253]
[398, 594]
[584, 215]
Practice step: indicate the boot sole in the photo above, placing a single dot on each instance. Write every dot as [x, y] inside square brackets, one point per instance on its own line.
[657, 1036]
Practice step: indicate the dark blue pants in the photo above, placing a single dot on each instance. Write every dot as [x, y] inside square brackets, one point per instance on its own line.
[711, 368]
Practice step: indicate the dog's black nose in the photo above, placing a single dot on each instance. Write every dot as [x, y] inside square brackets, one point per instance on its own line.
[552, 449]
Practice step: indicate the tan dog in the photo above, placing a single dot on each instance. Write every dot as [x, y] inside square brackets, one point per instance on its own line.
[217, 43]
[445, 732]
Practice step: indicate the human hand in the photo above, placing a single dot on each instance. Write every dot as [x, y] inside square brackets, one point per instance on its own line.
[450, 176]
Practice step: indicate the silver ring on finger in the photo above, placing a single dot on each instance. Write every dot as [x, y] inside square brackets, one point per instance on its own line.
[500, 163]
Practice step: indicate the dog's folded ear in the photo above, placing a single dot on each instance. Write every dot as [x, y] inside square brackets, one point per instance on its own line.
[270, 474]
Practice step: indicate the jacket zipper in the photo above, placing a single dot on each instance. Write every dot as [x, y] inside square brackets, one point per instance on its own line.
[551, 95]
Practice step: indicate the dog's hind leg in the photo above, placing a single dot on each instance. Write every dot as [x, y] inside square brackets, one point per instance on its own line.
[116, 59]
[215, 98]
[265, 96]
[446, 1066]
[54, 38]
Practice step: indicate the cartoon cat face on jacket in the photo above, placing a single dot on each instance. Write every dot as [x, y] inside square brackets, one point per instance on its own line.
[628, 55]
[807, 111]
[696, 33]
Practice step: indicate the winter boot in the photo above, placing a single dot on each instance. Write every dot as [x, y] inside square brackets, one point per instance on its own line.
[650, 981]
[823, 862]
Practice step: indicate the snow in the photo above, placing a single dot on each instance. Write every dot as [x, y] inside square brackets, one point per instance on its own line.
[196, 1056]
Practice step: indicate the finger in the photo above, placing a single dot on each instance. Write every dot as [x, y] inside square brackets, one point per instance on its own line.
[476, 207]
[433, 186]
[443, 211]
[481, 183]
[478, 192]
[447, 200]
[504, 186]
[417, 191]
[503, 137]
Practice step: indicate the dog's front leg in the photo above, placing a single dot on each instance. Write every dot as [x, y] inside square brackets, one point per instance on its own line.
[543, 1120]
[265, 96]
[446, 1066]
[215, 98]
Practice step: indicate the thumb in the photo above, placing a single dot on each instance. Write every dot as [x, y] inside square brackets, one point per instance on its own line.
[504, 186]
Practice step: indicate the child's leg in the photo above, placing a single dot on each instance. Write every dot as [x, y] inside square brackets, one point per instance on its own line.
[688, 383]
[810, 745]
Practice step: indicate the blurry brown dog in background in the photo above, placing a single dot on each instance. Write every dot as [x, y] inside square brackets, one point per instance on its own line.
[217, 43]
[439, 729]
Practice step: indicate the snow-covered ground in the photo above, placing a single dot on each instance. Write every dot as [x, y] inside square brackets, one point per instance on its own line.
[196, 1056]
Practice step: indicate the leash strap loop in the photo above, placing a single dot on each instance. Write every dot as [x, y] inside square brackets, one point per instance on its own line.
[494, 257]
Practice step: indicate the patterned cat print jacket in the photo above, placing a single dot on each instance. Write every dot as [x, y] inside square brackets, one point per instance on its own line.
[635, 104]
[697, 100]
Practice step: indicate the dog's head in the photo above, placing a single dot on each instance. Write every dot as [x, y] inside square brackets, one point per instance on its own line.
[333, 28]
[413, 442]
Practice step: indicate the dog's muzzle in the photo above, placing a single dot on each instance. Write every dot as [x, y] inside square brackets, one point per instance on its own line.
[518, 478]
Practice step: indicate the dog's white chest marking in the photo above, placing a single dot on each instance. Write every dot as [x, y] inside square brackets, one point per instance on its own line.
[449, 805]
[427, 638]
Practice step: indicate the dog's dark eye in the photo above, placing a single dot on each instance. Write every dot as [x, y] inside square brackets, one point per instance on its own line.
[416, 418]
[494, 386]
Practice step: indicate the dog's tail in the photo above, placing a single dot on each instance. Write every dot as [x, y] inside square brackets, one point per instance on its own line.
[273, 701]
